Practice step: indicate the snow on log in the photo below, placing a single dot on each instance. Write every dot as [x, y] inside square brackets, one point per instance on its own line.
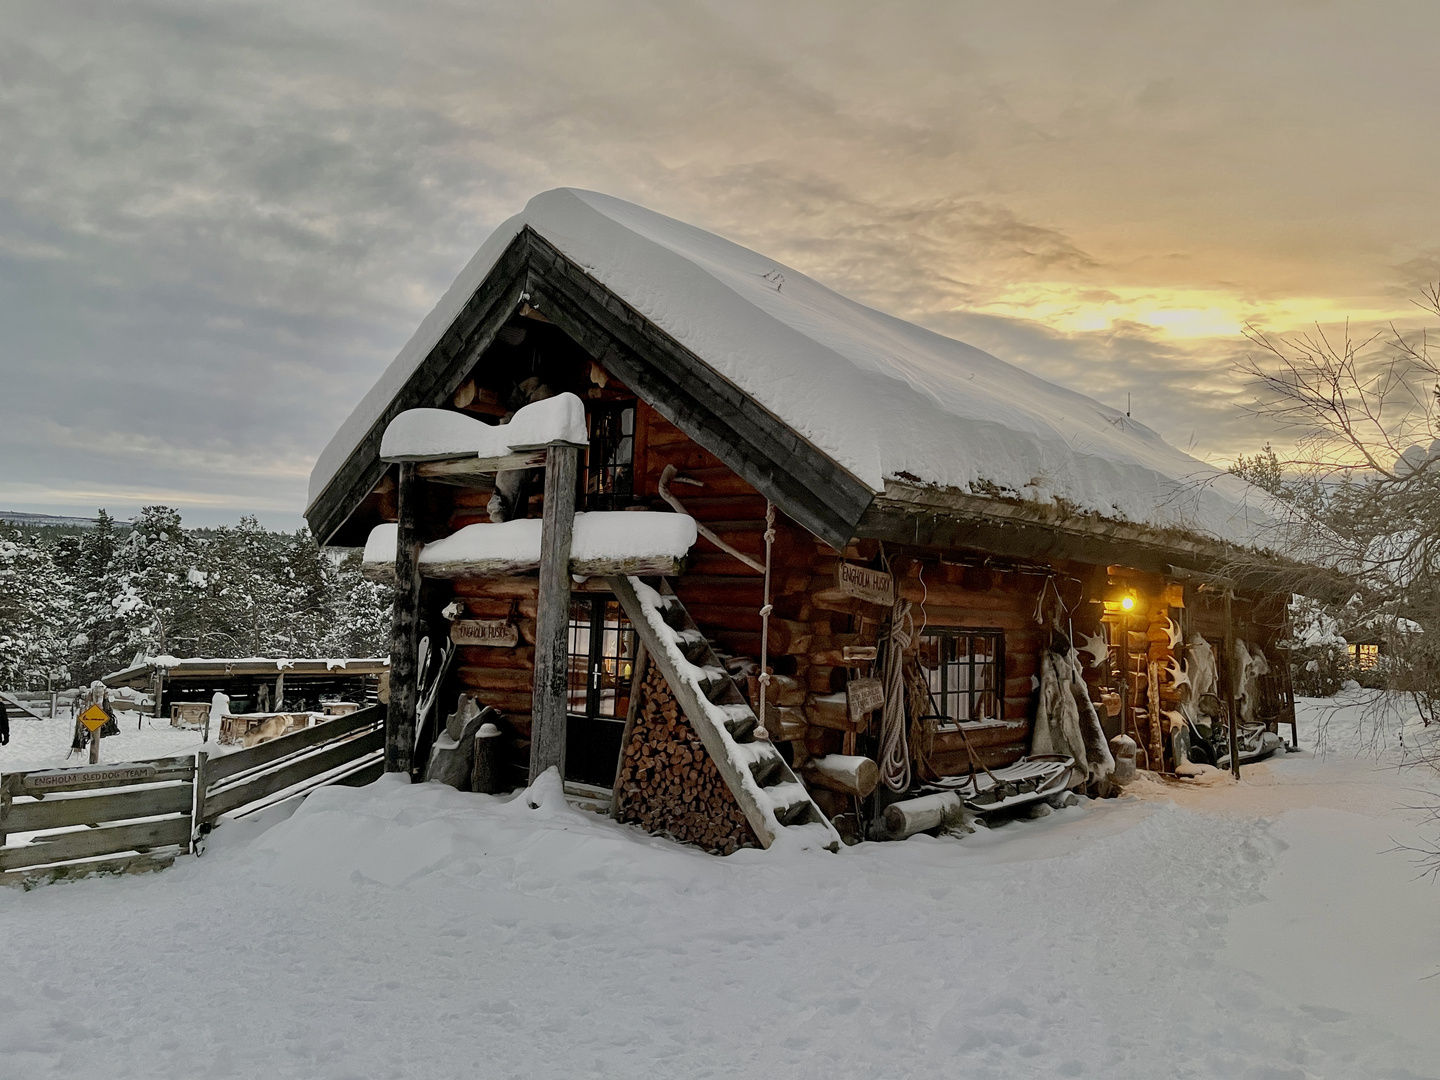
[606, 542]
[438, 434]
[907, 818]
[847, 773]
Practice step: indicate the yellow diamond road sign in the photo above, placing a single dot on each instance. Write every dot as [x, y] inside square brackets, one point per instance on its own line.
[94, 717]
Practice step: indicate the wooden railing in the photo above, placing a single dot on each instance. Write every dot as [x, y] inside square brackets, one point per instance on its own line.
[138, 815]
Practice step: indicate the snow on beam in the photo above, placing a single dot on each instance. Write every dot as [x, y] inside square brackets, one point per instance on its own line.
[435, 435]
[606, 543]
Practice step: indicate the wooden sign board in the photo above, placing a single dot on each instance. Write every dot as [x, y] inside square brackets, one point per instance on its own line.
[499, 633]
[864, 696]
[859, 654]
[872, 586]
[94, 717]
[65, 778]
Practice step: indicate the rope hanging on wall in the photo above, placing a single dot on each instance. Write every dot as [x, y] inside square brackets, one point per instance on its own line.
[894, 757]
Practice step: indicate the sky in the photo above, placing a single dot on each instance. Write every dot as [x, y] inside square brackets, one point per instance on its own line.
[220, 221]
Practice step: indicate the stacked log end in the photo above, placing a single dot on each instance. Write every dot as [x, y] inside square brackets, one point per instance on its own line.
[668, 784]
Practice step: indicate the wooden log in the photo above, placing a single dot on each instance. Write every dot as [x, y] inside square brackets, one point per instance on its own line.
[850, 774]
[498, 607]
[487, 773]
[497, 587]
[521, 656]
[507, 701]
[833, 712]
[551, 683]
[786, 723]
[1156, 752]
[903, 819]
[786, 690]
[405, 626]
[514, 680]
[609, 566]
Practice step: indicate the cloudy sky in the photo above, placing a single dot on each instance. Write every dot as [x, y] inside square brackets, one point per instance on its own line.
[219, 221]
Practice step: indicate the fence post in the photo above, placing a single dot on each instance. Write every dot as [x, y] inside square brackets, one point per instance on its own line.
[197, 805]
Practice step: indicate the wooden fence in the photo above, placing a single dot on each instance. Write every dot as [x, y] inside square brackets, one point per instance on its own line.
[138, 815]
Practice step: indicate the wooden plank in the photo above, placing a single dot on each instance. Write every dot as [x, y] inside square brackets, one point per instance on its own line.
[221, 767]
[552, 624]
[264, 784]
[366, 774]
[86, 778]
[60, 813]
[473, 569]
[128, 864]
[405, 627]
[109, 840]
[456, 469]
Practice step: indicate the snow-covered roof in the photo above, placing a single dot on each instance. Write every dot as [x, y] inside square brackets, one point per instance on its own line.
[143, 668]
[883, 398]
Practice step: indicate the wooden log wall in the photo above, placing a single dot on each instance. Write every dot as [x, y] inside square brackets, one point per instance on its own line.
[499, 677]
[813, 621]
[667, 782]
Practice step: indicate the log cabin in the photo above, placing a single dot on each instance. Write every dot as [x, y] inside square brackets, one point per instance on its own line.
[745, 560]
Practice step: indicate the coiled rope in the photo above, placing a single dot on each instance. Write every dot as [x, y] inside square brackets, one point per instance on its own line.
[894, 750]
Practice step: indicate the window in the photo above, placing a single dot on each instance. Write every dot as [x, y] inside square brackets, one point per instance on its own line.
[602, 662]
[602, 653]
[609, 465]
[964, 670]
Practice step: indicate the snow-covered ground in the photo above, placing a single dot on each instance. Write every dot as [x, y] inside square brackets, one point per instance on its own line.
[1251, 930]
[44, 744]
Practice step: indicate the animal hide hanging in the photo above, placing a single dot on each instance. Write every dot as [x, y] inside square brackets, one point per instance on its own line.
[1065, 718]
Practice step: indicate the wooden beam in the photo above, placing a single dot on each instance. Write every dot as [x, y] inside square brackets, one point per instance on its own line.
[405, 627]
[469, 469]
[552, 624]
[637, 566]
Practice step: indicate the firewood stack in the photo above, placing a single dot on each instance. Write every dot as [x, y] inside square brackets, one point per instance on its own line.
[668, 784]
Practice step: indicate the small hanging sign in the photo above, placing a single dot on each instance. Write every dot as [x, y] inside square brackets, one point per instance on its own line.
[500, 633]
[874, 586]
[94, 717]
[862, 697]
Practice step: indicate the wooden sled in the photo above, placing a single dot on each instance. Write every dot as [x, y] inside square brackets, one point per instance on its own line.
[1027, 780]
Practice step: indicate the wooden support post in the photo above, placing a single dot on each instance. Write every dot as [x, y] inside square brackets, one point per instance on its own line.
[1231, 701]
[552, 622]
[404, 627]
[197, 801]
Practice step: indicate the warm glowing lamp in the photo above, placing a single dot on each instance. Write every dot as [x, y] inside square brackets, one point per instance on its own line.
[1127, 602]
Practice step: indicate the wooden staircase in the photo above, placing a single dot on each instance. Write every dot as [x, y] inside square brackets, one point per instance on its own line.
[775, 803]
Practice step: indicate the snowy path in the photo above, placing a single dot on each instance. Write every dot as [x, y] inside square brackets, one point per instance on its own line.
[1232, 931]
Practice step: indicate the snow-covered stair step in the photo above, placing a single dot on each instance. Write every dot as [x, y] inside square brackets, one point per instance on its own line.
[775, 803]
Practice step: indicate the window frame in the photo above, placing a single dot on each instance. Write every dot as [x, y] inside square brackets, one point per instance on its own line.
[596, 627]
[607, 458]
[937, 707]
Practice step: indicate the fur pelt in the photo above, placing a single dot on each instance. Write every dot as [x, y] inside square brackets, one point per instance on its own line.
[1200, 667]
[1065, 718]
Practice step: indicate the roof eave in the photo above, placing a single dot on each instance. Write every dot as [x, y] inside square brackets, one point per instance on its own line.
[940, 517]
